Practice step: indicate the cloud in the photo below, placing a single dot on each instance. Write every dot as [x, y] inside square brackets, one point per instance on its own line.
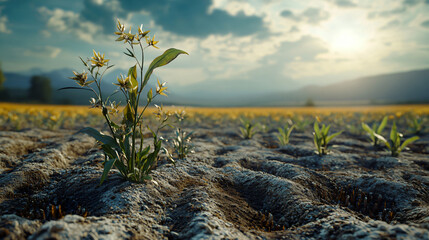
[3, 25]
[306, 49]
[194, 18]
[410, 2]
[315, 15]
[391, 24]
[268, 74]
[387, 13]
[60, 20]
[345, 3]
[310, 15]
[102, 13]
[45, 51]
[402, 8]
[425, 24]
[287, 14]
[234, 7]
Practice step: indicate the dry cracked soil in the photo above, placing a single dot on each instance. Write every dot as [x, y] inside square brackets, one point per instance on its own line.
[229, 188]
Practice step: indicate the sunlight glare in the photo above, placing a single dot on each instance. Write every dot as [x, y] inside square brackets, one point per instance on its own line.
[347, 41]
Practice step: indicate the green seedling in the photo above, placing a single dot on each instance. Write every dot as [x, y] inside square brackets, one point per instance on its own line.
[284, 134]
[322, 139]
[121, 148]
[300, 123]
[375, 130]
[182, 141]
[394, 143]
[248, 129]
[355, 129]
[416, 124]
[182, 144]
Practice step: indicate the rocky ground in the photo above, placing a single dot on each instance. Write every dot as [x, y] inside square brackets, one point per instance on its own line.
[229, 188]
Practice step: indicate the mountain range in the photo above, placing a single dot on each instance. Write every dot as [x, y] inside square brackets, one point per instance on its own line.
[391, 88]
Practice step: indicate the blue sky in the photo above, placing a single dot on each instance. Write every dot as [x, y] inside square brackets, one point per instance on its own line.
[239, 46]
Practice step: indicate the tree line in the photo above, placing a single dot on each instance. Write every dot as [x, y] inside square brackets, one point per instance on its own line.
[40, 90]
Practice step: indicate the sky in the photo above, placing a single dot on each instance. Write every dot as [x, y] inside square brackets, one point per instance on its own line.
[240, 47]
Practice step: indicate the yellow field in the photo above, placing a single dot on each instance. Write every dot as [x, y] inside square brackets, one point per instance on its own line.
[18, 116]
[266, 111]
[258, 111]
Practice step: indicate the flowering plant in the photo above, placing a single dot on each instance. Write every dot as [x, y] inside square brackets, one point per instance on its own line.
[121, 148]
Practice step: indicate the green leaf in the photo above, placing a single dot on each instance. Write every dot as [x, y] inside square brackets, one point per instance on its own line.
[408, 141]
[121, 167]
[109, 150]
[367, 128]
[316, 142]
[145, 151]
[84, 63]
[132, 74]
[168, 56]
[393, 133]
[100, 137]
[126, 145]
[142, 156]
[326, 130]
[290, 130]
[130, 53]
[149, 95]
[381, 138]
[128, 114]
[76, 88]
[107, 166]
[316, 129]
[382, 125]
[151, 158]
[328, 139]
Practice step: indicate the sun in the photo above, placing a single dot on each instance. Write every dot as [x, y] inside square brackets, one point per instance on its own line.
[347, 41]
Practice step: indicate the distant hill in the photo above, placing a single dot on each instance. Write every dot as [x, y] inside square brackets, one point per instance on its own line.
[403, 87]
[393, 88]
[20, 83]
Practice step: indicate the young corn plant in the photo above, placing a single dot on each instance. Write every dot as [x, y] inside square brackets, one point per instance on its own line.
[248, 129]
[284, 134]
[322, 139]
[416, 124]
[394, 143]
[375, 130]
[182, 144]
[182, 141]
[121, 148]
[301, 123]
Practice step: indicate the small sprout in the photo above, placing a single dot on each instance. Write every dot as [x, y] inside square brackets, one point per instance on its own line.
[182, 143]
[394, 143]
[284, 134]
[372, 132]
[321, 138]
[248, 129]
[416, 124]
[300, 123]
